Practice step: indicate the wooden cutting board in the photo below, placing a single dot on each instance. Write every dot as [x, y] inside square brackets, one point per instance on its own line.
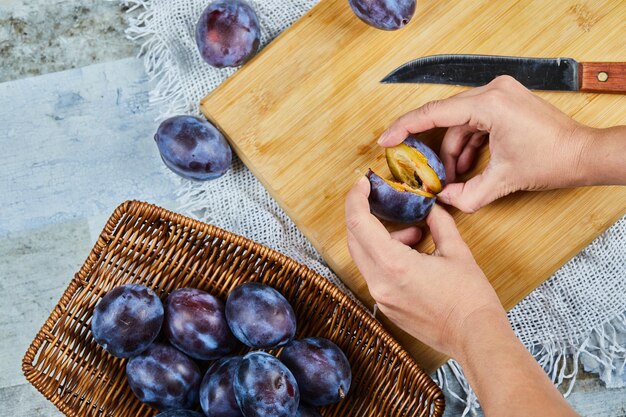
[305, 114]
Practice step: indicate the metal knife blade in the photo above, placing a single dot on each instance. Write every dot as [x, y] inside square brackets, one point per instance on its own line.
[476, 70]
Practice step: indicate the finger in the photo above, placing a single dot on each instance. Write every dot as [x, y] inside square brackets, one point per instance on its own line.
[452, 146]
[409, 236]
[468, 156]
[366, 229]
[473, 91]
[363, 262]
[445, 233]
[453, 111]
[474, 194]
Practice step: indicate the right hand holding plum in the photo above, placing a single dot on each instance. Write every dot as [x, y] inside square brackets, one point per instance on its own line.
[533, 145]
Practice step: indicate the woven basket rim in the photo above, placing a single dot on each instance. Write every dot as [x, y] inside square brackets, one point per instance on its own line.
[377, 329]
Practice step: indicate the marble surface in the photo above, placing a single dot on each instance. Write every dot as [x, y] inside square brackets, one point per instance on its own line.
[81, 144]
[42, 36]
[76, 144]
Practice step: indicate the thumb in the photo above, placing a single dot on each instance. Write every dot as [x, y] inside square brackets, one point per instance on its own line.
[446, 236]
[474, 194]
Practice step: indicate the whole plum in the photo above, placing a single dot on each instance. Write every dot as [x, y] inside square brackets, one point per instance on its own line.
[320, 368]
[259, 316]
[228, 33]
[305, 411]
[217, 395]
[264, 387]
[384, 14]
[164, 378]
[179, 413]
[418, 176]
[195, 324]
[127, 320]
[193, 148]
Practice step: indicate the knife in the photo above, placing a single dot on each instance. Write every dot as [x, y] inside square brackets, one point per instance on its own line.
[560, 74]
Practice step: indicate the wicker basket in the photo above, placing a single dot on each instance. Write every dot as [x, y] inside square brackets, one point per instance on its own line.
[142, 243]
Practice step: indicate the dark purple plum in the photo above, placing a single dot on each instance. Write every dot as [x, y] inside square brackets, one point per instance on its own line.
[228, 33]
[306, 411]
[384, 14]
[195, 324]
[179, 413]
[193, 148]
[127, 320]
[217, 395]
[264, 387]
[320, 368]
[259, 316]
[389, 201]
[418, 175]
[164, 378]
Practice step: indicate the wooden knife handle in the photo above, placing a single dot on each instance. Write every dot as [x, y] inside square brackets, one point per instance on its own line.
[602, 77]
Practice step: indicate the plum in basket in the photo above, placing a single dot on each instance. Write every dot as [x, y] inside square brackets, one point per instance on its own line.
[259, 316]
[179, 413]
[164, 378]
[195, 324]
[305, 411]
[127, 320]
[320, 368]
[217, 394]
[264, 387]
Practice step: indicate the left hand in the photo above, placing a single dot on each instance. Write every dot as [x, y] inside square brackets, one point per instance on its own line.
[429, 296]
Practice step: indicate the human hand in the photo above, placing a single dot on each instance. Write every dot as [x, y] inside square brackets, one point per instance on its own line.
[533, 145]
[428, 296]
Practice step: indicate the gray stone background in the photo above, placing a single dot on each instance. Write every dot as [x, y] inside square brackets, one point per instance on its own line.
[93, 128]
[42, 36]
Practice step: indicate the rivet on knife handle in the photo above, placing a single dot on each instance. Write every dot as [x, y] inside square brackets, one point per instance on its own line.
[602, 77]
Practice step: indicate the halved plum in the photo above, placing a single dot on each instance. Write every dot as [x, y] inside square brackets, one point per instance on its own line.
[418, 175]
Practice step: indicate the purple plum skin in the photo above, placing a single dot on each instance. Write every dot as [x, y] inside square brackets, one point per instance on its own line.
[396, 206]
[264, 387]
[384, 14]
[306, 411]
[164, 378]
[320, 368]
[195, 324]
[127, 320]
[179, 413]
[260, 317]
[402, 206]
[193, 148]
[228, 33]
[217, 395]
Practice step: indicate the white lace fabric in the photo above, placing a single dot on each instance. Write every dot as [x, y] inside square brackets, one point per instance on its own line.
[579, 311]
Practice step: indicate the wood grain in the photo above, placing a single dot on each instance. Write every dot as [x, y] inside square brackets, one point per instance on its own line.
[305, 114]
[603, 77]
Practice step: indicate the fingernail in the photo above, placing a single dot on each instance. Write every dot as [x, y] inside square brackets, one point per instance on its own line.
[443, 196]
[383, 137]
[361, 180]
